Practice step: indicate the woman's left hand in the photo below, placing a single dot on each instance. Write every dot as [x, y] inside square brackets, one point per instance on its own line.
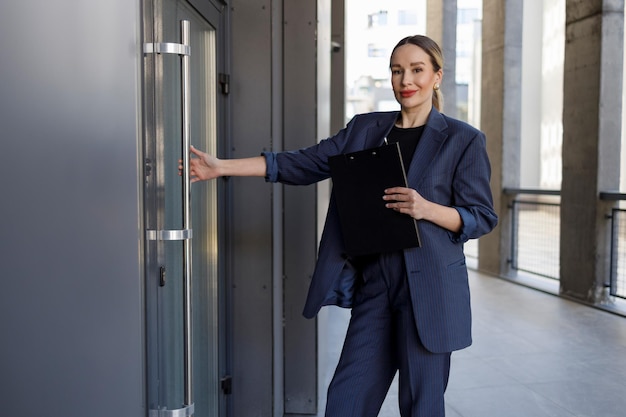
[406, 201]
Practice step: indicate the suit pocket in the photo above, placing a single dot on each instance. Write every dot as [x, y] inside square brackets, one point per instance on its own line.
[456, 286]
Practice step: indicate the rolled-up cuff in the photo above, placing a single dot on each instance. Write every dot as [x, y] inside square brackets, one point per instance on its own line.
[271, 172]
[469, 224]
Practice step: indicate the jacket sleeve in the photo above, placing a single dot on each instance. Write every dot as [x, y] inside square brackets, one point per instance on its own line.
[308, 165]
[472, 196]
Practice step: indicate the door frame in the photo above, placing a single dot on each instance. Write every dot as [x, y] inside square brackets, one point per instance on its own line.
[217, 16]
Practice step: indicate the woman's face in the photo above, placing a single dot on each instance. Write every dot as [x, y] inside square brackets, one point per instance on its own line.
[413, 77]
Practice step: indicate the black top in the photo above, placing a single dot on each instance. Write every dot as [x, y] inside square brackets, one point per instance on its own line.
[408, 139]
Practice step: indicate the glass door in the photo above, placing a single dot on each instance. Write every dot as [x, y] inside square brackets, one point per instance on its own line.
[181, 281]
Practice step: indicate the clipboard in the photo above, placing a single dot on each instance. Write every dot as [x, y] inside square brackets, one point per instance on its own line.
[359, 180]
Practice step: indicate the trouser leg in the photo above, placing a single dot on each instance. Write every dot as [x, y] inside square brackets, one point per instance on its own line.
[368, 362]
[423, 375]
[382, 337]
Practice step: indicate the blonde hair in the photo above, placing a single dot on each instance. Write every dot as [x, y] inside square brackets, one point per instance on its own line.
[436, 58]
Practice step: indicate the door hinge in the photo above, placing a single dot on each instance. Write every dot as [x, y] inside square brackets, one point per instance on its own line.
[227, 385]
[224, 80]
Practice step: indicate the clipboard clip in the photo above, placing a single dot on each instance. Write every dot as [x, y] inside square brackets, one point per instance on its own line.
[351, 158]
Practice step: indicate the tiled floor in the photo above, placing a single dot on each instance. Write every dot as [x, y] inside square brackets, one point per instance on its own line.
[534, 355]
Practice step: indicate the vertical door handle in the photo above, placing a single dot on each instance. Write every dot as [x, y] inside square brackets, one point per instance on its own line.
[186, 133]
[184, 50]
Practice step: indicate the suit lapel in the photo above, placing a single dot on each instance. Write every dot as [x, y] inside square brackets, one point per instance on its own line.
[377, 133]
[432, 138]
[430, 143]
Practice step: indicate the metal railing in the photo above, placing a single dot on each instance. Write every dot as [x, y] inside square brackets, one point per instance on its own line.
[535, 236]
[617, 280]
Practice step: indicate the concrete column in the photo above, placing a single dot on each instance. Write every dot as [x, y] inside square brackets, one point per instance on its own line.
[338, 67]
[592, 112]
[441, 27]
[532, 106]
[500, 120]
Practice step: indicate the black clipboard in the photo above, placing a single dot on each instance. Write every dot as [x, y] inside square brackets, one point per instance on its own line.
[359, 181]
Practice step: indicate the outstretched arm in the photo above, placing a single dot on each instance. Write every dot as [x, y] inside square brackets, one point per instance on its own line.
[205, 167]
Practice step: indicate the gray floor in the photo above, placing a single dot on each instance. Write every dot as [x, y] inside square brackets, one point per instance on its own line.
[534, 355]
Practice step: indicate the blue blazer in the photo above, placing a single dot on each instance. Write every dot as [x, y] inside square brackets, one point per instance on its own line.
[450, 167]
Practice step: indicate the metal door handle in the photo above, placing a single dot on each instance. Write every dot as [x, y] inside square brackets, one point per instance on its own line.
[184, 50]
[186, 120]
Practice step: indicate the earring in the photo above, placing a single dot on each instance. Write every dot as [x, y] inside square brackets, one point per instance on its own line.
[436, 87]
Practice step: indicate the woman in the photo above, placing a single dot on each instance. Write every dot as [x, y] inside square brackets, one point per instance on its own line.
[411, 308]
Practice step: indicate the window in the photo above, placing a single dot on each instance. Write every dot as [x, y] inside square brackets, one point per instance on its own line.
[407, 17]
[375, 51]
[465, 16]
[377, 19]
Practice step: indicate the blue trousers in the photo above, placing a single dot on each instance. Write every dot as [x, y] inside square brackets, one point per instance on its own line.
[381, 339]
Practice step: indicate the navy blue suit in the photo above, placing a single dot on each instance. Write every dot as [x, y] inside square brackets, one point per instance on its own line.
[450, 167]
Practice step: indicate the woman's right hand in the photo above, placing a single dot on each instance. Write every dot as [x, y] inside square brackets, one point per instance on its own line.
[202, 167]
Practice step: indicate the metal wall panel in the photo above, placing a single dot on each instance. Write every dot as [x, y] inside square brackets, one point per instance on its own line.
[251, 211]
[274, 229]
[304, 30]
[71, 297]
